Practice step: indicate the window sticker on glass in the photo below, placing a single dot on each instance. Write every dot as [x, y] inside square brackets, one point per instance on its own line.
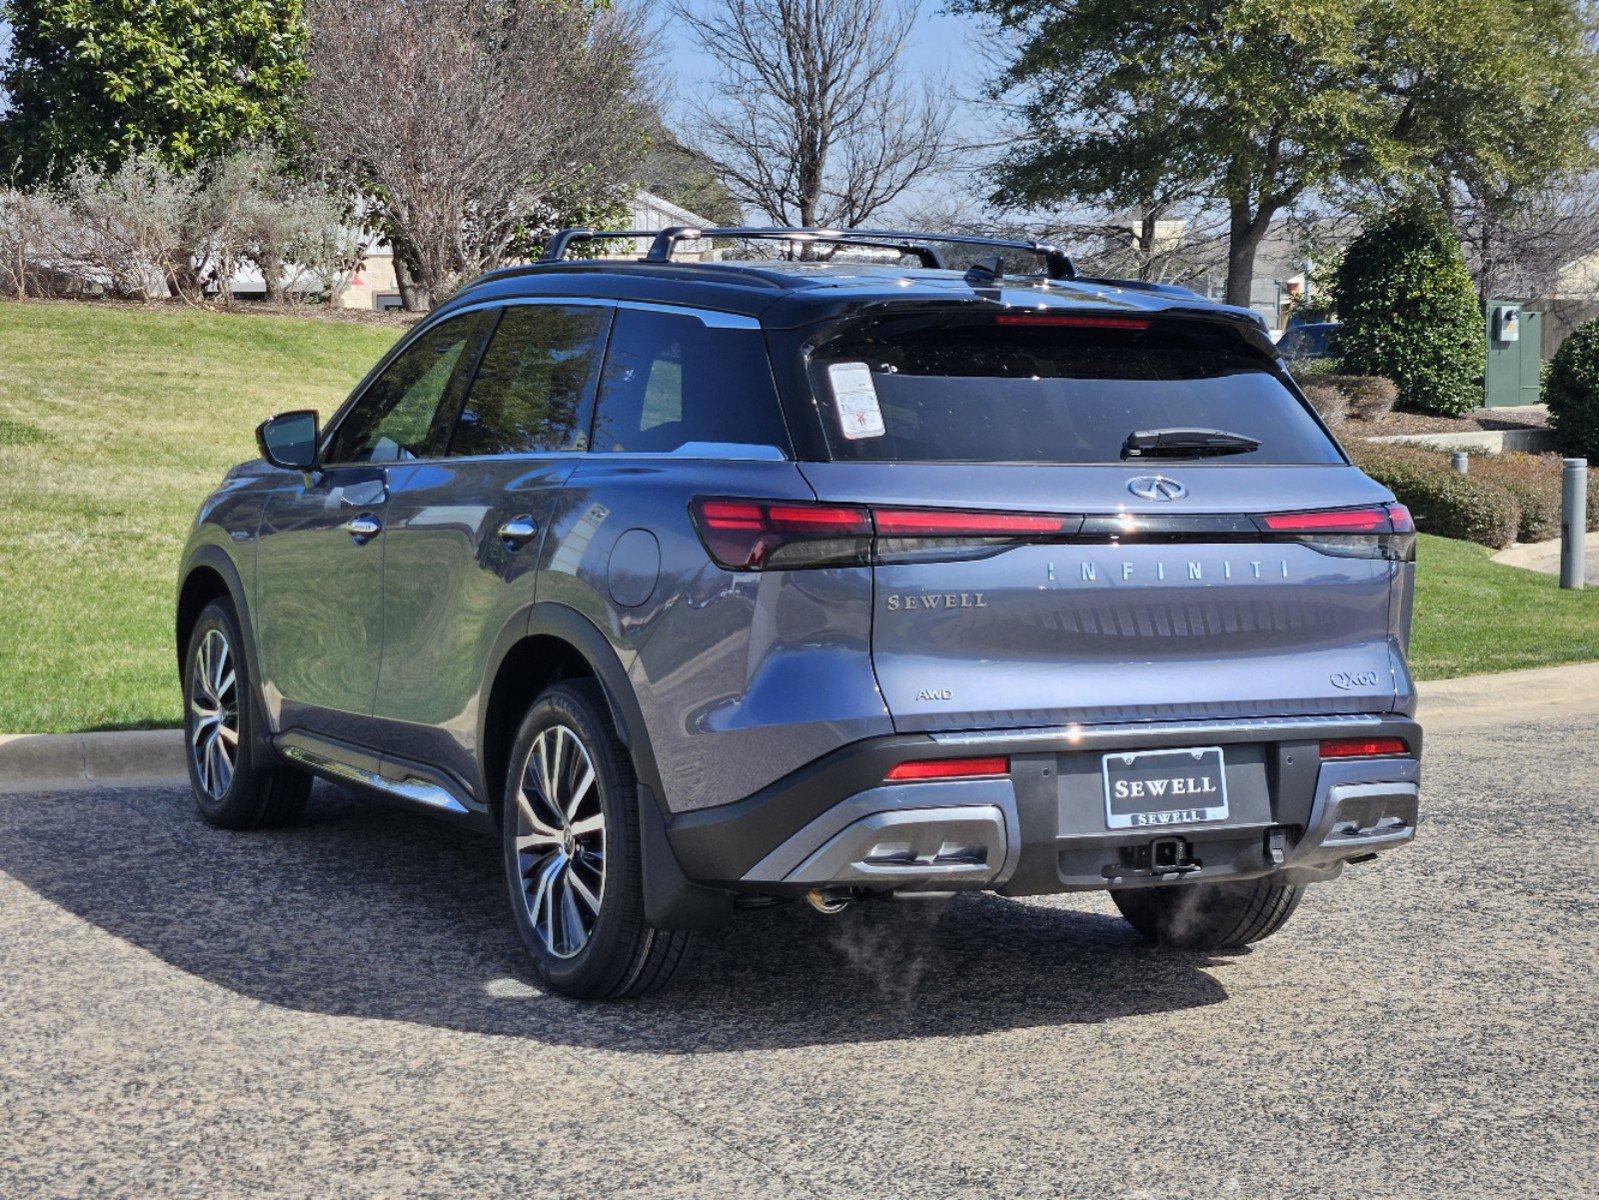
[856, 399]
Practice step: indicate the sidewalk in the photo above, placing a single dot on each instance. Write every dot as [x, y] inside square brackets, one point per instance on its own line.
[1545, 557]
[58, 762]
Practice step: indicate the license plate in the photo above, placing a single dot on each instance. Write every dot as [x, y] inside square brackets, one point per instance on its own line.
[1152, 788]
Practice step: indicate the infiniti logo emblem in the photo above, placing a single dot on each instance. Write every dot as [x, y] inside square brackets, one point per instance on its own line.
[1156, 487]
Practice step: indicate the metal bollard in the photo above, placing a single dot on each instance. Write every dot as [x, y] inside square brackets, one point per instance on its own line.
[1573, 522]
[1460, 461]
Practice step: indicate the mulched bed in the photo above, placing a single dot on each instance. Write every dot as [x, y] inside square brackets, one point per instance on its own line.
[1482, 419]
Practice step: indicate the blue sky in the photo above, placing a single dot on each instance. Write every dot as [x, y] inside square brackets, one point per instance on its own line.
[941, 45]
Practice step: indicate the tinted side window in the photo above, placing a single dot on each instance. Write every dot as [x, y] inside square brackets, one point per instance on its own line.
[394, 418]
[671, 381]
[529, 391]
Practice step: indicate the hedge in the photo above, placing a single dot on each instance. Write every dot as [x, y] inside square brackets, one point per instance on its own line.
[1535, 483]
[1504, 498]
[1468, 507]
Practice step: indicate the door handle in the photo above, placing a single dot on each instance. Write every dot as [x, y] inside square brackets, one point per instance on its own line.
[518, 531]
[363, 528]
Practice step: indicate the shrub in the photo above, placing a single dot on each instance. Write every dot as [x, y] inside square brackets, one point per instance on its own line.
[1410, 314]
[1326, 399]
[1367, 396]
[1468, 507]
[1571, 389]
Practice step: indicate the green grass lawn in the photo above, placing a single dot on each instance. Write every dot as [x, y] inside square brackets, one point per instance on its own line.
[116, 421]
[1474, 615]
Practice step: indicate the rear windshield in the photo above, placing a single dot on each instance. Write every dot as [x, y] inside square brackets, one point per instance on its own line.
[928, 389]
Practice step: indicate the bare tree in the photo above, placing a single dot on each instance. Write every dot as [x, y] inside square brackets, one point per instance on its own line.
[471, 125]
[814, 121]
[1519, 244]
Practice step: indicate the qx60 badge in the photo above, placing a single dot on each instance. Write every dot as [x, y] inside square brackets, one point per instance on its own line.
[1156, 487]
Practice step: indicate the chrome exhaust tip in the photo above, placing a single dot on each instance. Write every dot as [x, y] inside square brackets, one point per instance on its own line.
[829, 901]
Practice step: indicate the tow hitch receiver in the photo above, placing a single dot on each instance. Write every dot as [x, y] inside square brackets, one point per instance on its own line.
[1163, 856]
[1169, 856]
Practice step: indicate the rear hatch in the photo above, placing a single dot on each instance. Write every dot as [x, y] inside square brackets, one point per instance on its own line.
[1098, 518]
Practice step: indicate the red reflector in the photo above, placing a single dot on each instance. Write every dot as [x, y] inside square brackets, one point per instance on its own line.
[947, 768]
[1073, 321]
[933, 522]
[1344, 520]
[1363, 747]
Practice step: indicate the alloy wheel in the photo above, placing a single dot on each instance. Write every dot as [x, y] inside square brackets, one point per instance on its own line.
[214, 715]
[560, 841]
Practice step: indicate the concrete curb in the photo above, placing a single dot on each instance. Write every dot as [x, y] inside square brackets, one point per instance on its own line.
[1488, 441]
[49, 762]
[60, 762]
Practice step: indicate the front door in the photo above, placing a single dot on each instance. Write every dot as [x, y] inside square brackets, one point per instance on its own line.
[464, 529]
[319, 569]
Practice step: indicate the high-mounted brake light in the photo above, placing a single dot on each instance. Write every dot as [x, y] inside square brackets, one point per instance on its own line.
[1074, 321]
[934, 522]
[947, 768]
[747, 535]
[1343, 520]
[1363, 747]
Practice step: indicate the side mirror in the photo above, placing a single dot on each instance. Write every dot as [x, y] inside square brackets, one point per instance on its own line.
[289, 440]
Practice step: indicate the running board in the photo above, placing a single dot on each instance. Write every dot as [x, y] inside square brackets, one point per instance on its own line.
[347, 764]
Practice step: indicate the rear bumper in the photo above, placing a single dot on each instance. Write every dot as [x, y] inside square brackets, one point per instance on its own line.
[1042, 828]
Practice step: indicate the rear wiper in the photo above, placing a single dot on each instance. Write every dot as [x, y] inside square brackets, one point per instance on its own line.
[1186, 443]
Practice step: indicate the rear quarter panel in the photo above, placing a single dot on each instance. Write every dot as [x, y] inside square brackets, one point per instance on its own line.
[741, 677]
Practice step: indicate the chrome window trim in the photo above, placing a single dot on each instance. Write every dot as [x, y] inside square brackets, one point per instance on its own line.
[709, 317]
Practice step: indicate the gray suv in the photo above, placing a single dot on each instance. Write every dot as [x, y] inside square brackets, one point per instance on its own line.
[705, 583]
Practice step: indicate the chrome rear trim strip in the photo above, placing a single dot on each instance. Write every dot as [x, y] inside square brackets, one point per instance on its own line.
[1071, 737]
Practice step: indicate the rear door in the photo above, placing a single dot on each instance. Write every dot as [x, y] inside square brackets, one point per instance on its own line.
[1054, 545]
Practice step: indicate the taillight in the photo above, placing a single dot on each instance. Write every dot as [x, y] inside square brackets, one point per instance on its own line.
[754, 535]
[947, 768]
[750, 535]
[1372, 531]
[1338, 520]
[1363, 747]
[937, 522]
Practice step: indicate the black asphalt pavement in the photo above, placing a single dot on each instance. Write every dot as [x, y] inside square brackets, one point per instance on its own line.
[340, 1009]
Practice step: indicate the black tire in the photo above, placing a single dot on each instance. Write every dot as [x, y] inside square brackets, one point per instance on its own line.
[604, 954]
[255, 790]
[1209, 916]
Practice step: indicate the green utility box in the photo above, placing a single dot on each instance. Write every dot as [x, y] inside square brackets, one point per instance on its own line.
[1515, 356]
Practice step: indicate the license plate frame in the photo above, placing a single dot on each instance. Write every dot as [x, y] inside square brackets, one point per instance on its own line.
[1190, 764]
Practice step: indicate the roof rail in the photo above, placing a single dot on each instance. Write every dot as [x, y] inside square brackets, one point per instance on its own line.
[1057, 265]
